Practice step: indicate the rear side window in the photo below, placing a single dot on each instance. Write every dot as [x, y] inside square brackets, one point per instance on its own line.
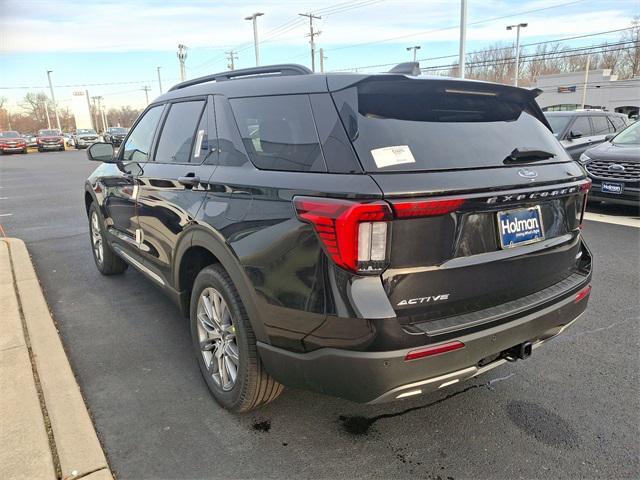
[179, 132]
[618, 123]
[279, 132]
[137, 146]
[398, 124]
[600, 125]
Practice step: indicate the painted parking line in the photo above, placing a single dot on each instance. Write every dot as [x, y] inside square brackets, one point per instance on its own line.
[5, 214]
[615, 220]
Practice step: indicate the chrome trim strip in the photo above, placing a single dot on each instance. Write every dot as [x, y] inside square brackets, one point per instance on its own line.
[139, 266]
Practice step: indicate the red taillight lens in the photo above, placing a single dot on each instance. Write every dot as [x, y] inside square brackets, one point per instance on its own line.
[425, 208]
[353, 233]
[433, 350]
[582, 294]
[585, 187]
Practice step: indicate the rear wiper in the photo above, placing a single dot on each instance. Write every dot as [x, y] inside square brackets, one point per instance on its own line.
[527, 155]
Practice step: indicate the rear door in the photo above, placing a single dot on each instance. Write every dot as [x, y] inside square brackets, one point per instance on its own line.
[173, 185]
[574, 144]
[476, 224]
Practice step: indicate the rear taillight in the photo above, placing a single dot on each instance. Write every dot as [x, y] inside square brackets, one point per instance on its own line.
[584, 188]
[354, 234]
[425, 208]
[582, 294]
[433, 350]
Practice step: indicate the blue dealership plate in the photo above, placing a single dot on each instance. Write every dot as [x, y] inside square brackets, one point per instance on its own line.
[611, 187]
[520, 227]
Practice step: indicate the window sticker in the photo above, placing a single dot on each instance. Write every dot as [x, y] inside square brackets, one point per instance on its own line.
[388, 156]
[198, 144]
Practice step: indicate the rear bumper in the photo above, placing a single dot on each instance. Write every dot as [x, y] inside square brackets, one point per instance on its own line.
[376, 377]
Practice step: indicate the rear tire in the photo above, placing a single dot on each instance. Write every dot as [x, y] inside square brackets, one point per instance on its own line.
[224, 341]
[107, 261]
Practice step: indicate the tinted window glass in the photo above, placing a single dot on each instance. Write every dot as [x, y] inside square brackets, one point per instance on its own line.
[582, 125]
[630, 136]
[618, 123]
[558, 122]
[137, 146]
[230, 147]
[279, 133]
[410, 125]
[178, 132]
[600, 125]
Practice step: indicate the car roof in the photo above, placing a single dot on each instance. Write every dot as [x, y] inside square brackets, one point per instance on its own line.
[575, 113]
[296, 80]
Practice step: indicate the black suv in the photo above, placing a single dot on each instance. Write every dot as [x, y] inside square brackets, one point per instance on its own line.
[372, 237]
[115, 135]
[579, 130]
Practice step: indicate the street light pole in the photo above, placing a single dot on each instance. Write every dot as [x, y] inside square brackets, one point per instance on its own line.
[182, 57]
[256, 47]
[463, 37]
[46, 111]
[159, 80]
[517, 27]
[53, 99]
[415, 51]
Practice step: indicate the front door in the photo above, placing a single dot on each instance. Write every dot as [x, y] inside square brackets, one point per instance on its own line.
[121, 187]
[173, 186]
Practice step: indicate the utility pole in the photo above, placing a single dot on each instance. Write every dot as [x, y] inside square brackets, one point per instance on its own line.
[254, 18]
[586, 80]
[415, 51]
[182, 57]
[517, 27]
[53, 99]
[104, 117]
[146, 92]
[312, 36]
[159, 81]
[463, 38]
[95, 114]
[322, 59]
[232, 57]
[46, 111]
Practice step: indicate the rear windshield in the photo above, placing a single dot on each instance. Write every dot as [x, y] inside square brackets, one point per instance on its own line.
[86, 130]
[413, 125]
[53, 133]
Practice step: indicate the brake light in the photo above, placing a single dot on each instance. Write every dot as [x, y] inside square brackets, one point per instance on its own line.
[354, 234]
[425, 208]
[433, 350]
[582, 294]
[585, 187]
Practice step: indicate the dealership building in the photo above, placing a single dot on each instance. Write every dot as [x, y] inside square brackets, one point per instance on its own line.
[564, 91]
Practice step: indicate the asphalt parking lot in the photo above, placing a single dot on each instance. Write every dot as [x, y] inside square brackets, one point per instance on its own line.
[570, 411]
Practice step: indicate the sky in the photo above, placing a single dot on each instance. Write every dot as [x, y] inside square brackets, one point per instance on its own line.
[113, 48]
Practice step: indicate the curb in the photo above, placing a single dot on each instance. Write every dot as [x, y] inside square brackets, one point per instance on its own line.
[75, 450]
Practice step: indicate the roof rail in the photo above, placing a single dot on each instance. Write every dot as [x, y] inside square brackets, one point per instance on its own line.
[285, 69]
[407, 68]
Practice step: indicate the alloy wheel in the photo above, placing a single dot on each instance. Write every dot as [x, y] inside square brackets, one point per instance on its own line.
[217, 338]
[96, 238]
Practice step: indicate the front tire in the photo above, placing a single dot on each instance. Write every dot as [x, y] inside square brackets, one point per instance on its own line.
[107, 261]
[225, 344]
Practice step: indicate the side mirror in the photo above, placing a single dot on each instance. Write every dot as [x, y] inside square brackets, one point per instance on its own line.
[101, 152]
[575, 134]
[607, 138]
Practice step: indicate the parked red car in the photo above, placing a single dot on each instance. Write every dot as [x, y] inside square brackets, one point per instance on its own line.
[50, 140]
[12, 142]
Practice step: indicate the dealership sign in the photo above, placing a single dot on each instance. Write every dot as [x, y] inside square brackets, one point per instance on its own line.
[567, 89]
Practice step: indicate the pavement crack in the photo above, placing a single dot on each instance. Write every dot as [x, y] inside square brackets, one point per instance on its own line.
[75, 475]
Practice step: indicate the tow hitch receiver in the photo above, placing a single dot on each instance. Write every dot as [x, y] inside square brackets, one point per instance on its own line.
[519, 352]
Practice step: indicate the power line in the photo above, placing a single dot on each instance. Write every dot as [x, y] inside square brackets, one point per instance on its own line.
[399, 37]
[455, 55]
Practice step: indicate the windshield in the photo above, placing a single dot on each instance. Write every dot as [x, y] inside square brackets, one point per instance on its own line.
[9, 135]
[86, 130]
[629, 136]
[558, 122]
[44, 133]
[117, 130]
[413, 125]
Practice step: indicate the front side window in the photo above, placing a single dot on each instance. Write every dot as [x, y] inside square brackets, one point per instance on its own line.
[179, 132]
[581, 126]
[279, 132]
[138, 145]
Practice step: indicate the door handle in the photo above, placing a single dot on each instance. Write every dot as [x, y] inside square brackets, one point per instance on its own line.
[189, 181]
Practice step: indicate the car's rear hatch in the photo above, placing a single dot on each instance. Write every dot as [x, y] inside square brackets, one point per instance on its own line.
[476, 225]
